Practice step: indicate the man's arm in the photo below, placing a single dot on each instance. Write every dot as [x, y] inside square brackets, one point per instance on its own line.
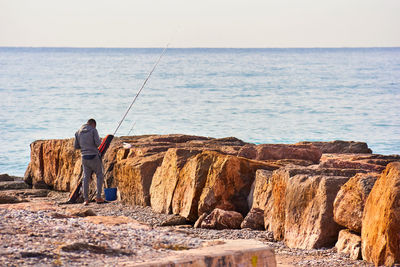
[76, 143]
[96, 138]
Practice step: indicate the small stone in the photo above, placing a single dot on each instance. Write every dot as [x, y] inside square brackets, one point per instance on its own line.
[174, 220]
[222, 219]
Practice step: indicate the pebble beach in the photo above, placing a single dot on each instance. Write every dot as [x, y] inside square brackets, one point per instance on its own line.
[41, 231]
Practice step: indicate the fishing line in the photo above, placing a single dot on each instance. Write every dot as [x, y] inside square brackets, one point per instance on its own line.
[141, 88]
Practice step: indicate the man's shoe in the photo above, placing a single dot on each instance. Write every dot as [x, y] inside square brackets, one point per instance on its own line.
[100, 200]
[86, 202]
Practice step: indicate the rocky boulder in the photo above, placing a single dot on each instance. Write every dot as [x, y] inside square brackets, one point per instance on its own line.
[309, 211]
[340, 147]
[349, 203]
[282, 202]
[212, 180]
[281, 151]
[221, 219]
[349, 243]
[254, 219]
[381, 219]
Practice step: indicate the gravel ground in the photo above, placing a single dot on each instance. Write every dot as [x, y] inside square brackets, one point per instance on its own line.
[48, 238]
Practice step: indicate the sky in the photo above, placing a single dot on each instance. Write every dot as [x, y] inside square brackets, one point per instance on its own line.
[200, 23]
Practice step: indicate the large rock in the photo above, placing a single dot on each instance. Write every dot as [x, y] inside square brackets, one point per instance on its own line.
[134, 177]
[221, 219]
[339, 146]
[369, 162]
[381, 219]
[54, 163]
[275, 211]
[254, 219]
[309, 211]
[166, 178]
[349, 243]
[281, 151]
[213, 180]
[349, 203]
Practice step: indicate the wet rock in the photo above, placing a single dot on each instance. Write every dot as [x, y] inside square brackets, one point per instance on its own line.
[281, 151]
[174, 220]
[339, 146]
[349, 203]
[309, 211]
[254, 219]
[381, 219]
[5, 177]
[221, 219]
[12, 185]
[9, 199]
[349, 243]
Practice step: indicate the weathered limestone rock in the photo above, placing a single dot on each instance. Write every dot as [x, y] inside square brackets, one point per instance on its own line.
[369, 162]
[11, 185]
[349, 203]
[281, 151]
[309, 211]
[221, 219]
[339, 146]
[381, 219]
[261, 191]
[349, 243]
[276, 208]
[214, 180]
[54, 162]
[10, 199]
[254, 219]
[134, 177]
[166, 178]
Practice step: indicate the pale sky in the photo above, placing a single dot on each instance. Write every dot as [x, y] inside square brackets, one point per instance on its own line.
[201, 23]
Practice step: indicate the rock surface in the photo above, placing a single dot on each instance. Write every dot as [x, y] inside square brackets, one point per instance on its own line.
[221, 219]
[309, 211]
[341, 147]
[381, 219]
[282, 201]
[349, 204]
[281, 151]
[254, 219]
[349, 243]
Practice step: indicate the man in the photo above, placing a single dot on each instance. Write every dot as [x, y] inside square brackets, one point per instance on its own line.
[87, 140]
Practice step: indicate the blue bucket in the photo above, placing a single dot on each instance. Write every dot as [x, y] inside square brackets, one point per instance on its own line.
[110, 193]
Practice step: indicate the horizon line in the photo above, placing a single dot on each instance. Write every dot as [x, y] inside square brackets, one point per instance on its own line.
[204, 47]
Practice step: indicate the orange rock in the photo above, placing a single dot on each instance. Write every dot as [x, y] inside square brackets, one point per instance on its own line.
[221, 219]
[381, 219]
[276, 208]
[349, 203]
[349, 243]
[339, 146]
[309, 211]
[166, 178]
[133, 177]
[281, 151]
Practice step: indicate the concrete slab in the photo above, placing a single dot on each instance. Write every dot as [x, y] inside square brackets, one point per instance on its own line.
[242, 253]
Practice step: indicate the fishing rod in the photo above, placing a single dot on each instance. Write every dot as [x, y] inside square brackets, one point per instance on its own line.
[141, 88]
[131, 128]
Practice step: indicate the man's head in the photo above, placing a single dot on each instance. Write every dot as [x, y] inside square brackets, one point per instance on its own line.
[92, 123]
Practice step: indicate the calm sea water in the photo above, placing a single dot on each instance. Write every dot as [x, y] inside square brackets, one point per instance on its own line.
[257, 95]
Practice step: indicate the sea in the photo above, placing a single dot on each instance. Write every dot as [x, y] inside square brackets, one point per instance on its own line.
[266, 95]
